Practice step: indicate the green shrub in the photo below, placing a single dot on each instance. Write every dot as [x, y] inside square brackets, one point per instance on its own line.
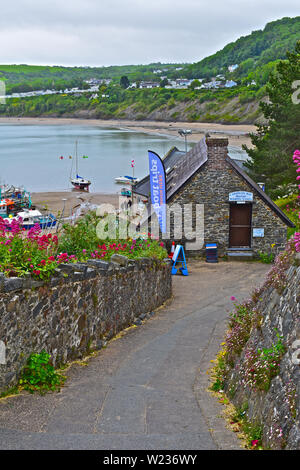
[39, 375]
[267, 258]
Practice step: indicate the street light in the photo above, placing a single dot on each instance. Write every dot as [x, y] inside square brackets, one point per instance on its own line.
[184, 133]
[61, 215]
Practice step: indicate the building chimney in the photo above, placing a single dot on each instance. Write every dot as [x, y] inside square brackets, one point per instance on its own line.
[217, 151]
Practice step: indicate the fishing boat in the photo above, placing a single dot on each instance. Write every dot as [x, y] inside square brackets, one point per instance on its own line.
[6, 207]
[19, 196]
[30, 218]
[79, 182]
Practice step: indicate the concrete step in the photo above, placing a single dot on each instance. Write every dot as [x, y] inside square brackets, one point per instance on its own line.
[240, 255]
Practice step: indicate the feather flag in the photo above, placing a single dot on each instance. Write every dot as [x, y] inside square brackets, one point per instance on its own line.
[158, 188]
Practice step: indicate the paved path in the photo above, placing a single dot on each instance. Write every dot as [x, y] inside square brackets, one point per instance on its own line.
[147, 389]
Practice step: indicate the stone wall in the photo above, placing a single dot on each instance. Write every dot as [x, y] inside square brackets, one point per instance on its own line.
[211, 186]
[278, 409]
[75, 312]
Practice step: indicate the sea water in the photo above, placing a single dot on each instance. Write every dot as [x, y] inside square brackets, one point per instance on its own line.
[30, 155]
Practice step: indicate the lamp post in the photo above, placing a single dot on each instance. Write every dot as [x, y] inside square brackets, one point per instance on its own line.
[184, 133]
[61, 215]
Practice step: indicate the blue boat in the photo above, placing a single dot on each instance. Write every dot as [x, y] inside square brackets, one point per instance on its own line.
[31, 218]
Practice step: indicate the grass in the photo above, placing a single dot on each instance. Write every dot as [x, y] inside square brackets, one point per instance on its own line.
[291, 207]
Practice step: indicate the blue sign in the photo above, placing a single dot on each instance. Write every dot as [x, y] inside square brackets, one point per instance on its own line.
[258, 232]
[179, 257]
[238, 196]
[158, 188]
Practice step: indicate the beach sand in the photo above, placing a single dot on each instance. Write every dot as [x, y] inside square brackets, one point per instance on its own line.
[238, 134]
[53, 201]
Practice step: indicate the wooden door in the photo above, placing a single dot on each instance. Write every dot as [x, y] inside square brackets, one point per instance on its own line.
[240, 225]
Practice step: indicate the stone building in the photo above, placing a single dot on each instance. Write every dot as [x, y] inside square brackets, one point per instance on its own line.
[238, 215]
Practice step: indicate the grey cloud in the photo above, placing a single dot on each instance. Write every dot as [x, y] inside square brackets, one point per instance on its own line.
[93, 32]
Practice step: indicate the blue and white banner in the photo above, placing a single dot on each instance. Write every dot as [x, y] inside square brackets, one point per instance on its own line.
[158, 188]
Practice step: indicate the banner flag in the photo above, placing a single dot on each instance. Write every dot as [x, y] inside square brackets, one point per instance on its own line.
[158, 188]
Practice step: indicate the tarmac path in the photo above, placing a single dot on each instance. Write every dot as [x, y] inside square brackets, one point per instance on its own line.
[147, 389]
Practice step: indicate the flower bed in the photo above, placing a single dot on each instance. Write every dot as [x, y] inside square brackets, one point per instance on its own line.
[32, 252]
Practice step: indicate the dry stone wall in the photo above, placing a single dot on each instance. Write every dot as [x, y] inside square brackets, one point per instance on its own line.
[77, 311]
[277, 410]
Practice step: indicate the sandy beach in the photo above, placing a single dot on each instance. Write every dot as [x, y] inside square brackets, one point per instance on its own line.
[237, 134]
[55, 201]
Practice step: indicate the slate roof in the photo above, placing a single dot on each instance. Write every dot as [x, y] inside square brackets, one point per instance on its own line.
[179, 166]
[186, 167]
[143, 187]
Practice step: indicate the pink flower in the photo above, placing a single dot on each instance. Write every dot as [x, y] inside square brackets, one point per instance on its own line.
[232, 298]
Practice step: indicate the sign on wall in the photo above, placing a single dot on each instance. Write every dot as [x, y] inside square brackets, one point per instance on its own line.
[258, 232]
[240, 196]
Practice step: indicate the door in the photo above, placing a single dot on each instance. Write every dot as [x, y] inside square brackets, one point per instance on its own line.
[240, 225]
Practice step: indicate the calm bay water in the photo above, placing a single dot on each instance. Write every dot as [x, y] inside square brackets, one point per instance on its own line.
[29, 155]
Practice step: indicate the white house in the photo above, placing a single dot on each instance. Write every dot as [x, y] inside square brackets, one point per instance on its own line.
[232, 68]
[230, 83]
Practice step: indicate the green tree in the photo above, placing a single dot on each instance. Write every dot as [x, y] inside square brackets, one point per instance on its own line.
[275, 142]
[195, 84]
[164, 82]
[124, 82]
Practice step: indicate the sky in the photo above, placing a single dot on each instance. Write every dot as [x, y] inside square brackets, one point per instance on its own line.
[119, 32]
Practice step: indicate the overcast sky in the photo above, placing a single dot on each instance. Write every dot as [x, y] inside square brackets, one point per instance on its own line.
[116, 32]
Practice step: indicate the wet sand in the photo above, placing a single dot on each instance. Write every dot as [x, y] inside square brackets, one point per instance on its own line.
[54, 201]
[238, 134]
